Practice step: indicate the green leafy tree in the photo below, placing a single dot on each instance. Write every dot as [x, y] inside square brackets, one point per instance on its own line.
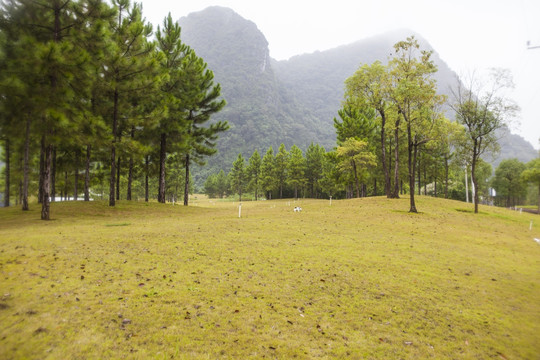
[370, 86]
[508, 182]
[354, 157]
[414, 95]
[532, 175]
[482, 111]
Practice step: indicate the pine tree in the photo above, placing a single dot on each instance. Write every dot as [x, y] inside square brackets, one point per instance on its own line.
[295, 169]
[237, 176]
[280, 168]
[268, 178]
[172, 124]
[200, 101]
[254, 173]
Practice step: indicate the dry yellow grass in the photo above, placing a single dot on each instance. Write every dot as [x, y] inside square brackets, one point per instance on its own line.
[360, 279]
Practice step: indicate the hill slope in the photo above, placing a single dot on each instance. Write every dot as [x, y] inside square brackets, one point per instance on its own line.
[294, 101]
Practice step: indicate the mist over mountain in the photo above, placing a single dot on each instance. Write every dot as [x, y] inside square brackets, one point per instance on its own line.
[292, 101]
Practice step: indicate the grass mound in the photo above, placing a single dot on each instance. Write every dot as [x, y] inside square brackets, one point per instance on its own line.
[357, 279]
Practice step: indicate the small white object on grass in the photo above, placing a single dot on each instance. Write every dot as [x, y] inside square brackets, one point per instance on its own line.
[537, 240]
[297, 209]
[240, 210]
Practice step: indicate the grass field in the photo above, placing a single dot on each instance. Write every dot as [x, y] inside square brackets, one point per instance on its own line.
[360, 279]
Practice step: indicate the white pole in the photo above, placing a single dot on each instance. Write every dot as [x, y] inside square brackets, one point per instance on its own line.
[240, 210]
[530, 226]
[330, 200]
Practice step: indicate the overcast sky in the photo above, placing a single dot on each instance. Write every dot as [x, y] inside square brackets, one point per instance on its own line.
[469, 35]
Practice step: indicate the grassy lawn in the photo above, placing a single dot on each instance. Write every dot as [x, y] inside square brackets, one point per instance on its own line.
[361, 279]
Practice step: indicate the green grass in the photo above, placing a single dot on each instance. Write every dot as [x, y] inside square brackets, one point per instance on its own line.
[358, 279]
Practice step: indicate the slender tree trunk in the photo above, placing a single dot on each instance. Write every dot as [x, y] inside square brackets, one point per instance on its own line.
[374, 187]
[446, 177]
[130, 170]
[539, 198]
[46, 208]
[53, 175]
[6, 190]
[474, 182]
[186, 182]
[147, 166]
[162, 163]
[87, 174]
[395, 194]
[41, 170]
[26, 166]
[419, 180]
[130, 178]
[425, 179]
[76, 182]
[118, 165]
[113, 150]
[412, 163]
[296, 191]
[66, 198]
[383, 151]
[356, 182]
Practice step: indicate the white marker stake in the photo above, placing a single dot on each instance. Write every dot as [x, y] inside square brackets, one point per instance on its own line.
[330, 201]
[240, 210]
[530, 226]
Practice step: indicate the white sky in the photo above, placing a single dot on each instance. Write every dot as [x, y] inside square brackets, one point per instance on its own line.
[469, 35]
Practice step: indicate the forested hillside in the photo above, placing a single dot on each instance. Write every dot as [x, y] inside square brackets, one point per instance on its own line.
[293, 101]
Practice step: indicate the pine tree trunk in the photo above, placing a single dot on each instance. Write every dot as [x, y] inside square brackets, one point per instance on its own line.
[53, 175]
[87, 174]
[41, 170]
[26, 166]
[162, 160]
[130, 170]
[113, 150]
[186, 182]
[76, 181]
[118, 164]
[6, 190]
[147, 165]
[130, 178]
[45, 206]
[66, 198]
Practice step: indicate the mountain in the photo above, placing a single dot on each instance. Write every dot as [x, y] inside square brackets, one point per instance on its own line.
[293, 101]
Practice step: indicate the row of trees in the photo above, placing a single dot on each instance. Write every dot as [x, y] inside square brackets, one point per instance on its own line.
[85, 86]
[511, 181]
[391, 114]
